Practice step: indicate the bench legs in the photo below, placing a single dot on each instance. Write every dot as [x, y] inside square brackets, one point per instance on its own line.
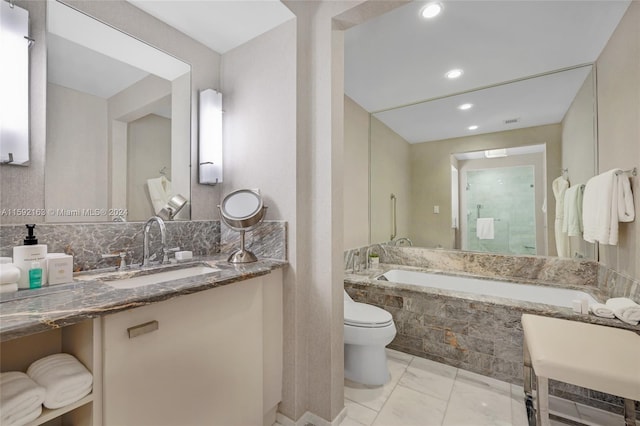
[629, 412]
[528, 386]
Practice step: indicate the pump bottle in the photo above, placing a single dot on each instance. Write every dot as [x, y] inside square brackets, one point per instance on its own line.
[25, 255]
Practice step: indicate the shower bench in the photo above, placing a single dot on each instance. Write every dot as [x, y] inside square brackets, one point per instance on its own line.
[604, 359]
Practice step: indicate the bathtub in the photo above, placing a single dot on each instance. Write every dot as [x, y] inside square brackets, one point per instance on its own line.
[523, 292]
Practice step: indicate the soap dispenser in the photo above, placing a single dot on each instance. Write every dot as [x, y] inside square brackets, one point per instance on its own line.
[25, 255]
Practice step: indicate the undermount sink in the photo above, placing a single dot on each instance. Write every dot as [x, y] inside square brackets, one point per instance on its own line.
[160, 277]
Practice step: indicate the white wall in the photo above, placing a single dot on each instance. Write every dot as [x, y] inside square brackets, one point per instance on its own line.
[148, 152]
[260, 151]
[76, 146]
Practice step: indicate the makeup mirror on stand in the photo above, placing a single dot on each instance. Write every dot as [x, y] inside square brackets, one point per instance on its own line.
[242, 210]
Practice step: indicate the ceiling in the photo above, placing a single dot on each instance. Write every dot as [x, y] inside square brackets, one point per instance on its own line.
[400, 58]
[220, 25]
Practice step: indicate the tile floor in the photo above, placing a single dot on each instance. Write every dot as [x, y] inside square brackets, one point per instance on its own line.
[425, 393]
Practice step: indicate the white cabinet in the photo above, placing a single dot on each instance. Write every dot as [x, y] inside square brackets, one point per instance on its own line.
[207, 362]
[80, 340]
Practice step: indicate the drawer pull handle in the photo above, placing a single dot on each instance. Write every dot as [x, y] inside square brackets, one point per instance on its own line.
[139, 330]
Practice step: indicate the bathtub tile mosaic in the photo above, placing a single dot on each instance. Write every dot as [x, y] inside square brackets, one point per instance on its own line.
[482, 337]
[468, 343]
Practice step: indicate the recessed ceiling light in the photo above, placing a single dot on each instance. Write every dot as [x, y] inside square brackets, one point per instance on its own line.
[453, 74]
[474, 127]
[464, 107]
[431, 10]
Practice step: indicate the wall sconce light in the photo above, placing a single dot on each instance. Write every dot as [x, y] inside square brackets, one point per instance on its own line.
[210, 137]
[14, 84]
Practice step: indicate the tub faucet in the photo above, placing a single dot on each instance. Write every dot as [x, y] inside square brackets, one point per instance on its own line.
[403, 240]
[163, 238]
[369, 250]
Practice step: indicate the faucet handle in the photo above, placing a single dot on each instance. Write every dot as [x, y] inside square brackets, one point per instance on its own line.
[166, 251]
[122, 255]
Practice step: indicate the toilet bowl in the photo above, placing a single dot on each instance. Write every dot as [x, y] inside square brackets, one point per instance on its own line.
[367, 330]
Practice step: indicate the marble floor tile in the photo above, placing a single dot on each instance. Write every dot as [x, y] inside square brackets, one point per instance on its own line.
[358, 415]
[399, 356]
[478, 400]
[374, 397]
[518, 409]
[407, 407]
[429, 377]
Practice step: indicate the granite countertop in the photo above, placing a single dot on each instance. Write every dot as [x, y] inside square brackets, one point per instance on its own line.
[368, 277]
[33, 311]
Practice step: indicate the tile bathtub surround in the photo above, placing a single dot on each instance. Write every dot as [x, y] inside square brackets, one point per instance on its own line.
[535, 269]
[475, 335]
[88, 241]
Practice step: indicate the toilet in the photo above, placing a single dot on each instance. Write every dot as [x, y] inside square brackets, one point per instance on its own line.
[367, 330]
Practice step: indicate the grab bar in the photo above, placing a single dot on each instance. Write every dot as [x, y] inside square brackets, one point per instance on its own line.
[394, 227]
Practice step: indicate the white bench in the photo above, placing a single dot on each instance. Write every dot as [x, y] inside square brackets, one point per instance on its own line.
[605, 359]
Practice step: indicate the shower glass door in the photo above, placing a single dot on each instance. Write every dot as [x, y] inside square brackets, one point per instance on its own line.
[505, 198]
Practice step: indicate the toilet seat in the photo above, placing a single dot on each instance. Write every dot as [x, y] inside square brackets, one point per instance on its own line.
[366, 316]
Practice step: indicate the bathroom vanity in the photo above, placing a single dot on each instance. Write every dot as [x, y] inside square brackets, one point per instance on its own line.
[205, 349]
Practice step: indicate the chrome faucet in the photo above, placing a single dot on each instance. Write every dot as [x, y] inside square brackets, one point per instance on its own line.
[369, 250]
[163, 238]
[403, 239]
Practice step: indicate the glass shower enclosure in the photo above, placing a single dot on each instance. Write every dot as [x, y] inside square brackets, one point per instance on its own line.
[504, 201]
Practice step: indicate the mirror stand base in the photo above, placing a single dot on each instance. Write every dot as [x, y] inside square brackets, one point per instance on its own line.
[242, 256]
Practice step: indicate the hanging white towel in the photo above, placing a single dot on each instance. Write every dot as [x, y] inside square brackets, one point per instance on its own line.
[625, 309]
[159, 192]
[607, 201]
[20, 398]
[572, 218]
[559, 186]
[64, 378]
[484, 228]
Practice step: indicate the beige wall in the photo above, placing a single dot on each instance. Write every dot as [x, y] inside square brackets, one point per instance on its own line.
[76, 146]
[148, 151]
[356, 174]
[431, 175]
[390, 174]
[579, 149]
[618, 74]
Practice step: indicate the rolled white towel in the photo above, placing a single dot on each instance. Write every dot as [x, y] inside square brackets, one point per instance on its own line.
[20, 398]
[601, 310]
[8, 288]
[9, 273]
[625, 309]
[64, 378]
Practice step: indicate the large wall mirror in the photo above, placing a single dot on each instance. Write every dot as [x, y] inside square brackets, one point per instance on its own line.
[448, 155]
[118, 123]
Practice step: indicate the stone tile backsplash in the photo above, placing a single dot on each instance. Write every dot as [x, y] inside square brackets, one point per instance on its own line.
[88, 241]
[542, 270]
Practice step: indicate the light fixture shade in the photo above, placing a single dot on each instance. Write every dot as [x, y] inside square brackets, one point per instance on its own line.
[495, 153]
[210, 137]
[14, 84]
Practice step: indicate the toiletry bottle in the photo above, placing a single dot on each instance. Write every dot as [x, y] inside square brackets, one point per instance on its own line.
[35, 275]
[24, 255]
